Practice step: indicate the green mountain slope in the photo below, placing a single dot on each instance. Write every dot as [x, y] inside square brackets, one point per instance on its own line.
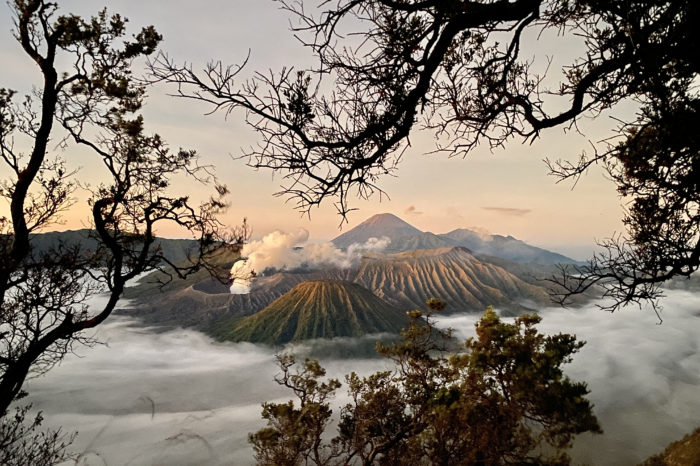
[320, 309]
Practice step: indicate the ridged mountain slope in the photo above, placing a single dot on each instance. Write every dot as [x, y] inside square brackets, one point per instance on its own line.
[320, 309]
[420, 241]
[404, 280]
[377, 226]
[454, 275]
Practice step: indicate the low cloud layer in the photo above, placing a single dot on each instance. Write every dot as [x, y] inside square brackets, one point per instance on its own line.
[643, 376]
[176, 397]
[179, 397]
[287, 251]
[510, 211]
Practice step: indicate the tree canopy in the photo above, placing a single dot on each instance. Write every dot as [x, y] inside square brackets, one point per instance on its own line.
[89, 97]
[502, 399]
[457, 67]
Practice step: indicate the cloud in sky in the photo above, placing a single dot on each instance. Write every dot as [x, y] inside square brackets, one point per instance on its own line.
[411, 210]
[180, 397]
[261, 24]
[510, 211]
[453, 213]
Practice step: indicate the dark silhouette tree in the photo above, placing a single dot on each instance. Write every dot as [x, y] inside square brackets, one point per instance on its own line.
[90, 99]
[23, 443]
[457, 67]
[503, 399]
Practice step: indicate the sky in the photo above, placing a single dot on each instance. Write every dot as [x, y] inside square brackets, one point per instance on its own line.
[506, 192]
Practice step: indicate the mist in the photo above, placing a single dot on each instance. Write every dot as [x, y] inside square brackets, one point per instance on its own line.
[181, 398]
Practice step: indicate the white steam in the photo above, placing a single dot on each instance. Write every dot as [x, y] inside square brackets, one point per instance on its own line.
[286, 251]
[242, 275]
[483, 234]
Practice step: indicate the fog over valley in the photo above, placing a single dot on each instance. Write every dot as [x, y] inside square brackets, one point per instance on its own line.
[179, 397]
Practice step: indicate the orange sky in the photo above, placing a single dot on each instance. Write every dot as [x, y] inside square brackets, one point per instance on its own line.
[507, 192]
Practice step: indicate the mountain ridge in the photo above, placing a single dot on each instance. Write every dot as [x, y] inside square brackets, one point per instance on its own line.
[405, 236]
[452, 274]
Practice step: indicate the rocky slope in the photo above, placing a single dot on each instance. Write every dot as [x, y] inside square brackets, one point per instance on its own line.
[420, 241]
[454, 275]
[203, 303]
[406, 237]
[684, 452]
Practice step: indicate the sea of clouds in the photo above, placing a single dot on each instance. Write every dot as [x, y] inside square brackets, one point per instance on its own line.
[178, 397]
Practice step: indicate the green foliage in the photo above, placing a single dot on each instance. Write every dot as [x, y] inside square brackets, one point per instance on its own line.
[293, 435]
[503, 399]
[685, 451]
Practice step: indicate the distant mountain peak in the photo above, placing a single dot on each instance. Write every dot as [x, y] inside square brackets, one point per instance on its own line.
[384, 217]
[377, 226]
[505, 247]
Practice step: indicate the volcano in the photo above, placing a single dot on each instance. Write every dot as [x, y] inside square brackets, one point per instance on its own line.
[320, 309]
[377, 226]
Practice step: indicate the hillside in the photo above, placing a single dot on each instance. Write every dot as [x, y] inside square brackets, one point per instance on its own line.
[404, 280]
[206, 304]
[157, 282]
[320, 309]
[406, 237]
[467, 270]
[683, 452]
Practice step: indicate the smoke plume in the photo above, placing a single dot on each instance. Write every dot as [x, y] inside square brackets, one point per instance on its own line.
[286, 251]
